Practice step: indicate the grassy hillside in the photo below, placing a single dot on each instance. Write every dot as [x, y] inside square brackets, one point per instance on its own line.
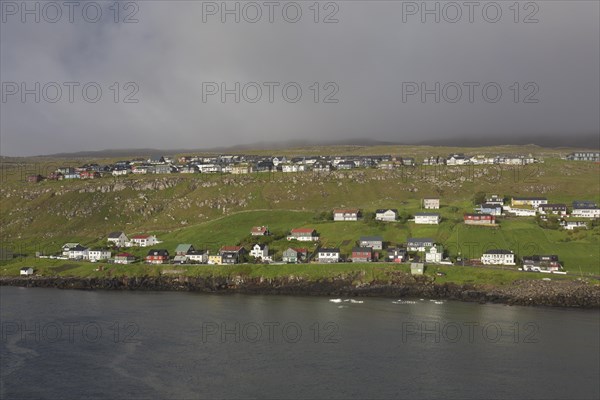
[212, 210]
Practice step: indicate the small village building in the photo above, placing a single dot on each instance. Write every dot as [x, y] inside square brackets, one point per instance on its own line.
[99, 255]
[387, 215]
[434, 254]
[295, 255]
[417, 268]
[427, 218]
[259, 231]
[374, 242]
[534, 202]
[303, 235]
[498, 257]
[419, 244]
[232, 254]
[431, 204]
[346, 214]
[328, 255]
[124, 258]
[117, 239]
[479, 219]
[260, 251]
[362, 254]
[553, 209]
[541, 263]
[144, 240]
[396, 254]
[160, 256]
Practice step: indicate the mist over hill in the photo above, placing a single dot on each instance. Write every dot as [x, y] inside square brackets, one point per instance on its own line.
[587, 141]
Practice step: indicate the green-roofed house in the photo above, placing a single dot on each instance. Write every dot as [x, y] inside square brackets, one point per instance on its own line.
[181, 253]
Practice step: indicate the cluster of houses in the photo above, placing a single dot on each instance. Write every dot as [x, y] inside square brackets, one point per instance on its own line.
[576, 216]
[584, 156]
[115, 240]
[368, 248]
[245, 164]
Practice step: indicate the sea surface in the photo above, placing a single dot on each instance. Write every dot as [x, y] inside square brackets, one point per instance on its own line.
[67, 344]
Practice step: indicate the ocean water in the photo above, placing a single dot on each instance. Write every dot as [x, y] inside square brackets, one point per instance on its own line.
[66, 344]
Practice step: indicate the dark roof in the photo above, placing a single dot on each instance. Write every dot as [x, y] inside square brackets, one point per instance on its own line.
[78, 248]
[114, 235]
[371, 239]
[361, 249]
[529, 198]
[329, 250]
[382, 210]
[420, 240]
[551, 257]
[498, 251]
[159, 252]
[426, 214]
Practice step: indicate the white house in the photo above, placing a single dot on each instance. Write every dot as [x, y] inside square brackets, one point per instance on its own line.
[260, 251]
[117, 239]
[520, 212]
[586, 212]
[434, 254]
[574, 224]
[293, 168]
[495, 199]
[26, 271]
[197, 256]
[328, 255]
[346, 214]
[120, 172]
[209, 168]
[427, 218]
[418, 244]
[98, 255]
[78, 253]
[431, 204]
[535, 202]
[66, 247]
[498, 257]
[144, 240]
[388, 215]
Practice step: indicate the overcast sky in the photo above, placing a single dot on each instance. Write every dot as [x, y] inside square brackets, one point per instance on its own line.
[375, 61]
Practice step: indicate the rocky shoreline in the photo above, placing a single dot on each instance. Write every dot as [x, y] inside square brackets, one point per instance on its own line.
[525, 292]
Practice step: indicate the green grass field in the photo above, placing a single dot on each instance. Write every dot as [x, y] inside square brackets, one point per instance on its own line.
[209, 211]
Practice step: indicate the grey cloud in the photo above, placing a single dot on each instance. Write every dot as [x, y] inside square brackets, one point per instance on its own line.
[369, 53]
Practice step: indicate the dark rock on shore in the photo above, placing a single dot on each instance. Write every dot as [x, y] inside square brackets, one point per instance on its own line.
[527, 292]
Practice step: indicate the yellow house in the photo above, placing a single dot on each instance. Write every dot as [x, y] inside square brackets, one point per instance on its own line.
[535, 202]
[215, 259]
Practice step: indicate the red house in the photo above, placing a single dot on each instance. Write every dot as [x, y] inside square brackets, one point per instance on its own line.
[35, 178]
[89, 175]
[259, 231]
[362, 254]
[479, 219]
[157, 256]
